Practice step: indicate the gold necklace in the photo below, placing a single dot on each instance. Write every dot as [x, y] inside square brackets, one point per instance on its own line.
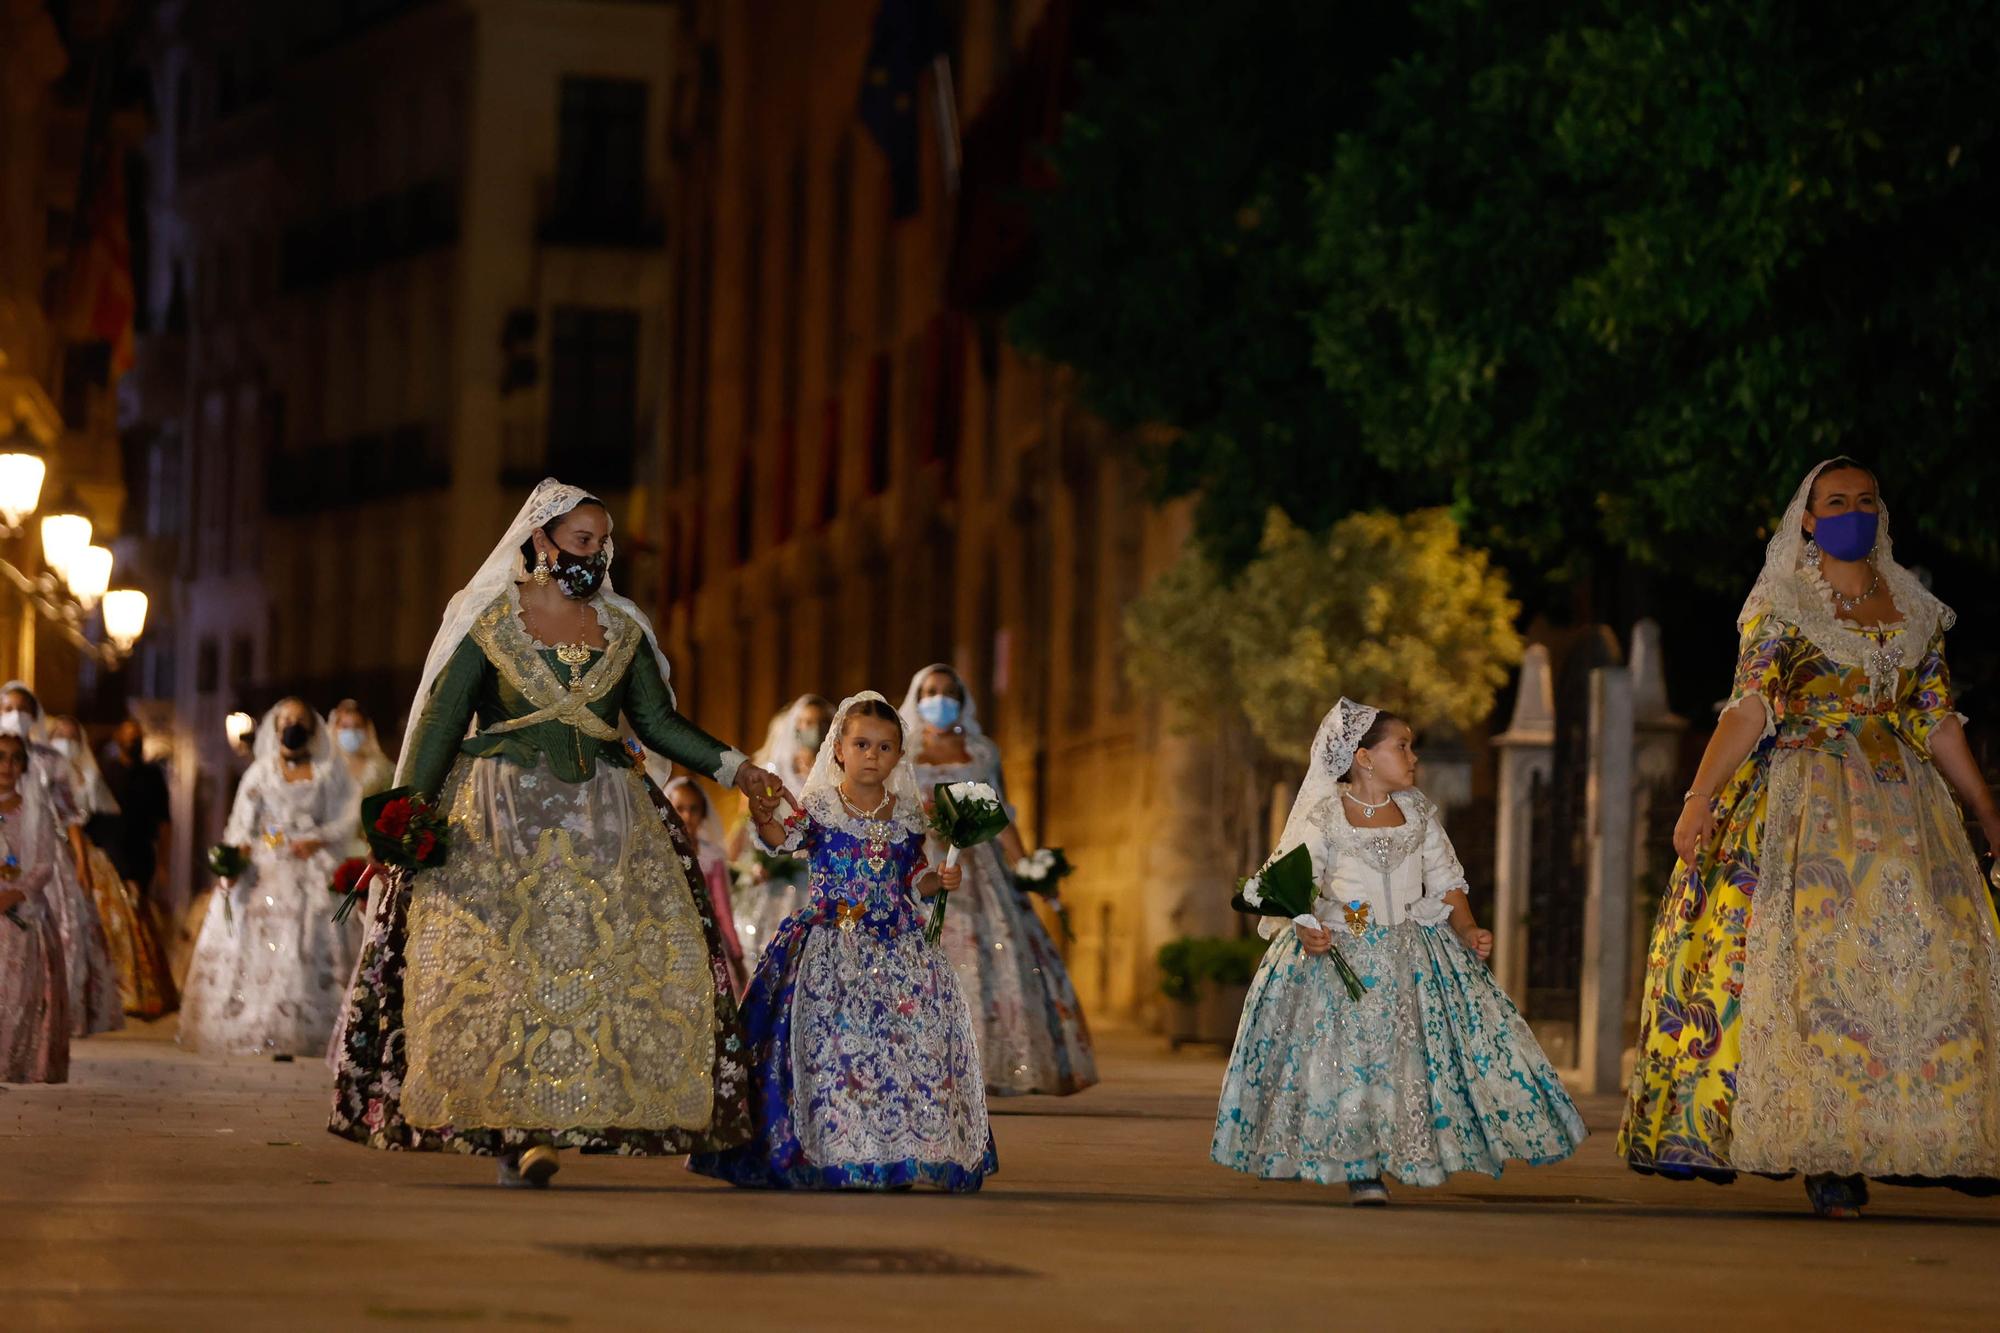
[576, 656]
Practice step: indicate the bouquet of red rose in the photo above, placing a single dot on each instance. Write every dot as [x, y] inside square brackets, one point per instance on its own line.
[403, 829]
[347, 874]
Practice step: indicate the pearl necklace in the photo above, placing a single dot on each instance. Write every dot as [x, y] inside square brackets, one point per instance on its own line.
[1367, 811]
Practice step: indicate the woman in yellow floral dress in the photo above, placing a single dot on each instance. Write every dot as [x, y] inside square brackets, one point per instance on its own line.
[1823, 989]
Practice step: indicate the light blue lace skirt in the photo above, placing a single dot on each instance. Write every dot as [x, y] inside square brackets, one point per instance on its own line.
[1432, 1071]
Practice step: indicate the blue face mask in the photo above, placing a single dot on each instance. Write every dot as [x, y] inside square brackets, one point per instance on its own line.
[1849, 536]
[940, 710]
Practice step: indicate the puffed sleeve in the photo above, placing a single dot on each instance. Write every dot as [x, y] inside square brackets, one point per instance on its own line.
[1762, 658]
[650, 706]
[1929, 700]
[440, 729]
[1442, 875]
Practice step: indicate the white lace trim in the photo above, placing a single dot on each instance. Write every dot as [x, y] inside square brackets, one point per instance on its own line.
[732, 760]
[829, 811]
[1770, 717]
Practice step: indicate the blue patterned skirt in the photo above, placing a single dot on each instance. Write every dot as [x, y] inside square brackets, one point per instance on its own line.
[866, 1073]
[1432, 1071]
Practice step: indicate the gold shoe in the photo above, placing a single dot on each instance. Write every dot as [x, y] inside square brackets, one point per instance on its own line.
[538, 1164]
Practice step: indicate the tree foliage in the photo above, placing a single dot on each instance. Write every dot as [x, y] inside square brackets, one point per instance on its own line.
[1390, 609]
[1172, 273]
[1606, 276]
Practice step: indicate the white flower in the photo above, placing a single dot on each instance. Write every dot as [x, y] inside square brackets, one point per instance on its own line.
[974, 791]
[1251, 894]
[1029, 868]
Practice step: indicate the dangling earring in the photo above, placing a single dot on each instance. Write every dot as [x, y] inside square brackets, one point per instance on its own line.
[1812, 553]
[542, 570]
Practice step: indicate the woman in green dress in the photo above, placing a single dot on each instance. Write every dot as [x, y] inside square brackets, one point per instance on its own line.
[560, 980]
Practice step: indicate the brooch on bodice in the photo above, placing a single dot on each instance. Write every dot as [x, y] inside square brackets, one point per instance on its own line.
[848, 915]
[1356, 914]
[575, 656]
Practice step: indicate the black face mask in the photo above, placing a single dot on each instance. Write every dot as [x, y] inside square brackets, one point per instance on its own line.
[581, 575]
[295, 737]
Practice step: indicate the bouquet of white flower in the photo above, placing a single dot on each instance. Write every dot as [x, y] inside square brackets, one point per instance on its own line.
[963, 814]
[1285, 888]
[1043, 873]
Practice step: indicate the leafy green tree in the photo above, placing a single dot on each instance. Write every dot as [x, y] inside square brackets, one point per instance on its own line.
[1386, 608]
[1173, 258]
[1623, 271]
[1605, 276]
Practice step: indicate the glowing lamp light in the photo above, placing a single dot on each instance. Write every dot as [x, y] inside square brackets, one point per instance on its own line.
[90, 575]
[239, 726]
[65, 536]
[124, 617]
[21, 476]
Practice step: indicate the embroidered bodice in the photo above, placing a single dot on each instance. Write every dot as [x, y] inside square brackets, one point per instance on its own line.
[532, 703]
[1816, 700]
[1394, 874]
[270, 813]
[862, 872]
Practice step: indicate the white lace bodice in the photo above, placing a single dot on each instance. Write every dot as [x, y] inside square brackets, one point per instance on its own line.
[268, 808]
[1401, 873]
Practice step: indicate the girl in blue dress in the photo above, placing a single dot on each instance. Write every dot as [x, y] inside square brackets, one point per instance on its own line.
[865, 1072]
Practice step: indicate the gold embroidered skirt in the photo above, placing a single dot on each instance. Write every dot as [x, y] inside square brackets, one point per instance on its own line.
[557, 970]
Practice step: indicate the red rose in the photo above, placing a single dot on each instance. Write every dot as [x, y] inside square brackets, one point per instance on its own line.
[426, 843]
[394, 821]
[347, 873]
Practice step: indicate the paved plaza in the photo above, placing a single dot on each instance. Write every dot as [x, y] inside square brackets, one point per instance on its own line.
[161, 1191]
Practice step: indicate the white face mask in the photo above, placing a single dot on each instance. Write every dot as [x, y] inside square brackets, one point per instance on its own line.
[63, 746]
[352, 739]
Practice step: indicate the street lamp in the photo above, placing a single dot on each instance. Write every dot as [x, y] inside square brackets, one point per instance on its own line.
[65, 534]
[76, 576]
[89, 576]
[124, 617]
[21, 476]
[238, 726]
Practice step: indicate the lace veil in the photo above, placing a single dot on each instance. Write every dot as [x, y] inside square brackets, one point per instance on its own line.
[708, 837]
[548, 502]
[823, 782]
[1792, 588]
[781, 747]
[1333, 748]
[977, 743]
[328, 767]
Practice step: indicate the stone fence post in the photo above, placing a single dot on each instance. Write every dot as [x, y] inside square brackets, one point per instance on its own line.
[1607, 916]
[1526, 752]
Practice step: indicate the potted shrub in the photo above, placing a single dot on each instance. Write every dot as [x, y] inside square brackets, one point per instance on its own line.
[1205, 980]
[1228, 966]
[1180, 982]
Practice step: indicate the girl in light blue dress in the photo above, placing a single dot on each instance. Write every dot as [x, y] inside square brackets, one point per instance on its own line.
[1432, 1070]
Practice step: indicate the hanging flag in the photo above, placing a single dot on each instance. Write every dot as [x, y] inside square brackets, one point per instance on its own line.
[907, 37]
[103, 303]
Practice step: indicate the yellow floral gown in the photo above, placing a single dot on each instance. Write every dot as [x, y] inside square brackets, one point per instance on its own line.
[1823, 987]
